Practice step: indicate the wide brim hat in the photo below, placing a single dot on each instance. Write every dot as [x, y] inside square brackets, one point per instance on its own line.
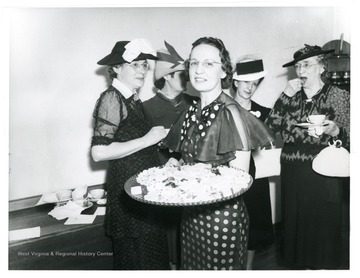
[129, 51]
[249, 70]
[307, 52]
[169, 61]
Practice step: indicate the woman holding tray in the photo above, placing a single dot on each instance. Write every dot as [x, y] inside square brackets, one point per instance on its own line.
[215, 130]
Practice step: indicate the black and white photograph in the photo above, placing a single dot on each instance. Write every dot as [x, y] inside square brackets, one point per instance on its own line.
[179, 136]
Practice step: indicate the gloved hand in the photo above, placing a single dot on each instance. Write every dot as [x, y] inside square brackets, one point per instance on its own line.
[328, 127]
[315, 131]
[331, 128]
[173, 162]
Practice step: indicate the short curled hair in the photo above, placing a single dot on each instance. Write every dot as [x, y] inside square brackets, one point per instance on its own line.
[160, 83]
[112, 73]
[323, 61]
[224, 56]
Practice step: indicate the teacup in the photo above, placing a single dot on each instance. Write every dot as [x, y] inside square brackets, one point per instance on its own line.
[316, 119]
[97, 193]
[64, 195]
[79, 193]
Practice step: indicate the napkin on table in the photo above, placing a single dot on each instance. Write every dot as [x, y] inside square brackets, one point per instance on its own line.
[80, 219]
[48, 198]
[69, 210]
[24, 233]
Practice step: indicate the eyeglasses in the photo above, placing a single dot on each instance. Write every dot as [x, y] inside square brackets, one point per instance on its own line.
[305, 66]
[207, 64]
[137, 66]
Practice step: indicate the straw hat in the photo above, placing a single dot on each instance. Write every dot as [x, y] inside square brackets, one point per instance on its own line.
[169, 61]
[249, 70]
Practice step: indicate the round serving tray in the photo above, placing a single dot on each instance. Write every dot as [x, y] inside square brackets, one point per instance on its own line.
[131, 182]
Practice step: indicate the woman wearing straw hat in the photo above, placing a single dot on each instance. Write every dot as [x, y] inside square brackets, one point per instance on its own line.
[169, 101]
[249, 73]
[124, 137]
[313, 208]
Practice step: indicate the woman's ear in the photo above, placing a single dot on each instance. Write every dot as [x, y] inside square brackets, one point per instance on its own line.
[322, 69]
[116, 69]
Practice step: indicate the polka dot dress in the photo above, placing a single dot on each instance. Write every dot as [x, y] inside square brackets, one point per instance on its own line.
[214, 237]
[192, 140]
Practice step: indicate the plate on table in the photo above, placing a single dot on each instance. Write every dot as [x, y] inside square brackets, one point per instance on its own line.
[307, 125]
[102, 201]
[62, 202]
[96, 199]
[185, 195]
[87, 206]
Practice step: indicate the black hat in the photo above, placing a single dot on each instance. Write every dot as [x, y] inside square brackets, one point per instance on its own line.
[249, 70]
[129, 51]
[307, 52]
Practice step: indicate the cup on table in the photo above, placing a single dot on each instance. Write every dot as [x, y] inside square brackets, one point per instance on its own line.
[97, 193]
[64, 195]
[79, 193]
[316, 119]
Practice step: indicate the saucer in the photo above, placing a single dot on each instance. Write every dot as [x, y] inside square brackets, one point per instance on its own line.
[93, 199]
[101, 201]
[96, 199]
[307, 125]
[89, 205]
[62, 202]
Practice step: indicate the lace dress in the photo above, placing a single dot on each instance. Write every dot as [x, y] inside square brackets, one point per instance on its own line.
[139, 239]
[215, 236]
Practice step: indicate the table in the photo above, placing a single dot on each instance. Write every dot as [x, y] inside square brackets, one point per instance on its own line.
[59, 247]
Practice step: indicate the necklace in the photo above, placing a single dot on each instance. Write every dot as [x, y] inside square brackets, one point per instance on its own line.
[311, 98]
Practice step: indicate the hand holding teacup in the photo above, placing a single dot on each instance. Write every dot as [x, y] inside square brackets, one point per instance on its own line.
[318, 121]
[330, 128]
[322, 126]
